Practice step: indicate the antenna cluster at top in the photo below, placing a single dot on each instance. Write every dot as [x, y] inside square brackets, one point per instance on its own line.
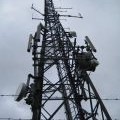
[58, 9]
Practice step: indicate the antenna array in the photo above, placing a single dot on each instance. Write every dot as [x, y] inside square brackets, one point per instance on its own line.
[52, 49]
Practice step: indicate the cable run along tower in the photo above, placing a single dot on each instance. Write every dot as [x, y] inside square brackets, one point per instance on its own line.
[70, 94]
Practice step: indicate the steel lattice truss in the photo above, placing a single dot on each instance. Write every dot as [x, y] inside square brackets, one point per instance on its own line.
[67, 92]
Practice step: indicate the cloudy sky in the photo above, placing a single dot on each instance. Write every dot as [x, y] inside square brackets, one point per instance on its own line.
[100, 23]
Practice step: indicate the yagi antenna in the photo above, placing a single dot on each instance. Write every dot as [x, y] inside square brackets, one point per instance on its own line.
[79, 16]
[62, 8]
[30, 43]
[61, 11]
[90, 44]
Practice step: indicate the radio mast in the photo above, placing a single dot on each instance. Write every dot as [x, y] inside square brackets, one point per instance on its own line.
[71, 94]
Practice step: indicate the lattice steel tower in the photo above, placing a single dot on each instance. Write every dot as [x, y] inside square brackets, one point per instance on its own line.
[61, 87]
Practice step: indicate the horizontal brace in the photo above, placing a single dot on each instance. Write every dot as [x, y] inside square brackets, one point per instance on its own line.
[59, 59]
[55, 84]
[59, 98]
[50, 46]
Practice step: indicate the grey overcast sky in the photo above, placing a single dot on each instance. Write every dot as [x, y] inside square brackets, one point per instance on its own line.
[100, 23]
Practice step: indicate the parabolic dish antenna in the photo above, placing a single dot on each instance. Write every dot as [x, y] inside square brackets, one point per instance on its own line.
[21, 92]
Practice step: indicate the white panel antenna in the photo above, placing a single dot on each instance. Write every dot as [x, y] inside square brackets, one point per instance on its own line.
[90, 44]
[39, 29]
[30, 43]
